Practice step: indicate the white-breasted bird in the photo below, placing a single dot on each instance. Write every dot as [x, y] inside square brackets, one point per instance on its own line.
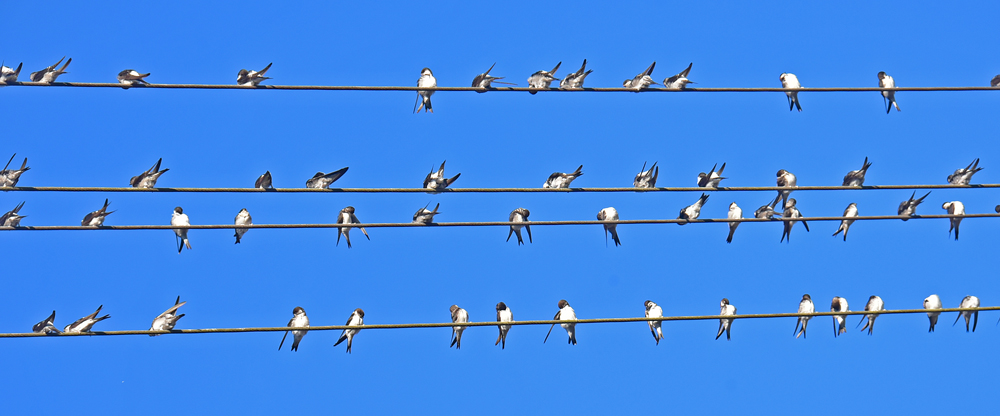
[11, 218]
[299, 320]
[874, 304]
[323, 180]
[426, 80]
[791, 81]
[888, 97]
[767, 210]
[962, 176]
[242, 218]
[725, 325]
[168, 319]
[908, 208]
[179, 218]
[735, 213]
[504, 314]
[642, 80]
[954, 208]
[784, 179]
[357, 318]
[543, 79]
[9, 177]
[347, 216]
[574, 81]
[610, 214]
[148, 178]
[436, 180]
[485, 80]
[263, 181]
[562, 180]
[49, 74]
[691, 212]
[857, 177]
[86, 323]
[425, 216]
[656, 327]
[46, 326]
[8, 74]
[679, 81]
[968, 302]
[131, 77]
[712, 178]
[646, 178]
[519, 215]
[930, 303]
[839, 304]
[96, 218]
[791, 211]
[458, 316]
[995, 82]
[566, 313]
[845, 224]
[805, 306]
[252, 78]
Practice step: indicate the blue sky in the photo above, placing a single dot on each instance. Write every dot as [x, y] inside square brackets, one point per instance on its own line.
[102, 137]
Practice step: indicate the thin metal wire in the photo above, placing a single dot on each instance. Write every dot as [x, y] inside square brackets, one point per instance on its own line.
[495, 190]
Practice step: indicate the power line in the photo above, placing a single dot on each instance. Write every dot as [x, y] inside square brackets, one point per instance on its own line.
[496, 190]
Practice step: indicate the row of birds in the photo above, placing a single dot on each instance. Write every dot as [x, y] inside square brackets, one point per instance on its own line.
[167, 320]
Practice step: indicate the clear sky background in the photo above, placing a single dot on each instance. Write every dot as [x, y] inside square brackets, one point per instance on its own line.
[102, 137]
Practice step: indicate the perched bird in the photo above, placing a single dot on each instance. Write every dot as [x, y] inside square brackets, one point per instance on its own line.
[791, 81]
[791, 212]
[458, 316]
[426, 80]
[735, 213]
[11, 219]
[48, 75]
[968, 302]
[519, 215]
[46, 326]
[566, 313]
[436, 180]
[908, 208]
[961, 176]
[656, 327]
[993, 82]
[889, 97]
[166, 320]
[954, 208]
[242, 218]
[610, 214]
[9, 177]
[562, 180]
[299, 320]
[543, 79]
[179, 218]
[148, 178]
[785, 179]
[997, 209]
[425, 216]
[712, 178]
[86, 323]
[857, 177]
[131, 77]
[646, 178]
[679, 81]
[845, 224]
[932, 302]
[96, 218]
[725, 325]
[642, 80]
[357, 318]
[805, 306]
[8, 74]
[767, 210]
[839, 304]
[252, 78]
[485, 79]
[503, 315]
[874, 304]
[574, 81]
[691, 212]
[347, 216]
[323, 180]
[264, 181]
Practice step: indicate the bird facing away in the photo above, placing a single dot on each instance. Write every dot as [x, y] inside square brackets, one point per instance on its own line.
[954, 208]
[46, 326]
[323, 180]
[299, 320]
[357, 318]
[693, 211]
[888, 97]
[787, 180]
[574, 81]
[908, 208]
[725, 325]
[49, 74]
[86, 323]
[968, 302]
[11, 218]
[458, 315]
[264, 181]
[96, 218]
[646, 178]
[436, 180]
[426, 80]
[656, 327]
[995, 82]
[561, 180]
[849, 213]
[791, 81]
[712, 178]
[347, 216]
[179, 218]
[642, 80]
[874, 304]
[839, 304]
[252, 78]
[503, 315]
[168, 319]
[131, 77]
[791, 212]
[8, 74]
[566, 313]
[543, 79]
[9, 177]
[930, 303]
[425, 216]
[805, 306]
[242, 218]
[857, 177]
[610, 214]
[485, 80]
[962, 176]
[679, 81]
[147, 179]
[735, 213]
[519, 215]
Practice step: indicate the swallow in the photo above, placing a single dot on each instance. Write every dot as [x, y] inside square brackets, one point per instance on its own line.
[791, 81]
[735, 213]
[845, 224]
[997, 209]
[889, 97]
[299, 320]
[48, 75]
[323, 180]
[954, 208]
[425, 216]
[166, 320]
[679, 81]
[993, 83]
[691, 212]
[503, 315]
[131, 77]
[357, 318]
[566, 313]
[8, 74]
[908, 208]
[542, 79]
[857, 177]
[9, 177]
[86, 323]
[642, 80]
[519, 215]
[242, 218]
[646, 178]
[610, 214]
[968, 302]
[839, 304]
[11, 219]
[932, 302]
[458, 315]
[426, 80]
[485, 79]
[767, 211]
[805, 306]
[264, 181]
[180, 218]
[874, 304]
[436, 180]
[712, 178]
[574, 81]
[791, 212]
[252, 78]
[347, 216]
[962, 176]
[725, 325]
[656, 327]
[787, 180]
[46, 326]
[96, 218]
[562, 180]
[148, 178]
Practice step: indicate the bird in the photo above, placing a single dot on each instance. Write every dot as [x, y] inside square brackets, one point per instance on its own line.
[503, 315]
[791, 81]
[712, 178]
[458, 316]
[908, 208]
[646, 178]
[299, 320]
[874, 304]
[96, 218]
[857, 177]
[656, 327]
[561, 180]
[357, 318]
[86, 323]
[566, 313]
[889, 97]
[436, 180]
[323, 180]
[610, 214]
[995, 82]
[252, 78]
[642, 80]
[49, 74]
[347, 216]
[426, 80]
[180, 218]
[839, 304]
[574, 81]
[932, 302]
[805, 306]
[791, 212]
[147, 179]
[767, 210]
[46, 326]
[679, 81]
[543, 79]
[784, 179]
[735, 213]
[264, 181]
[242, 218]
[691, 212]
[166, 320]
[11, 218]
[961, 176]
[968, 302]
[519, 215]
[485, 79]
[9, 177]
[845, 224]
[131, 77]
[954, 208]
[425, 216]
[8, 74]
[725, 325]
